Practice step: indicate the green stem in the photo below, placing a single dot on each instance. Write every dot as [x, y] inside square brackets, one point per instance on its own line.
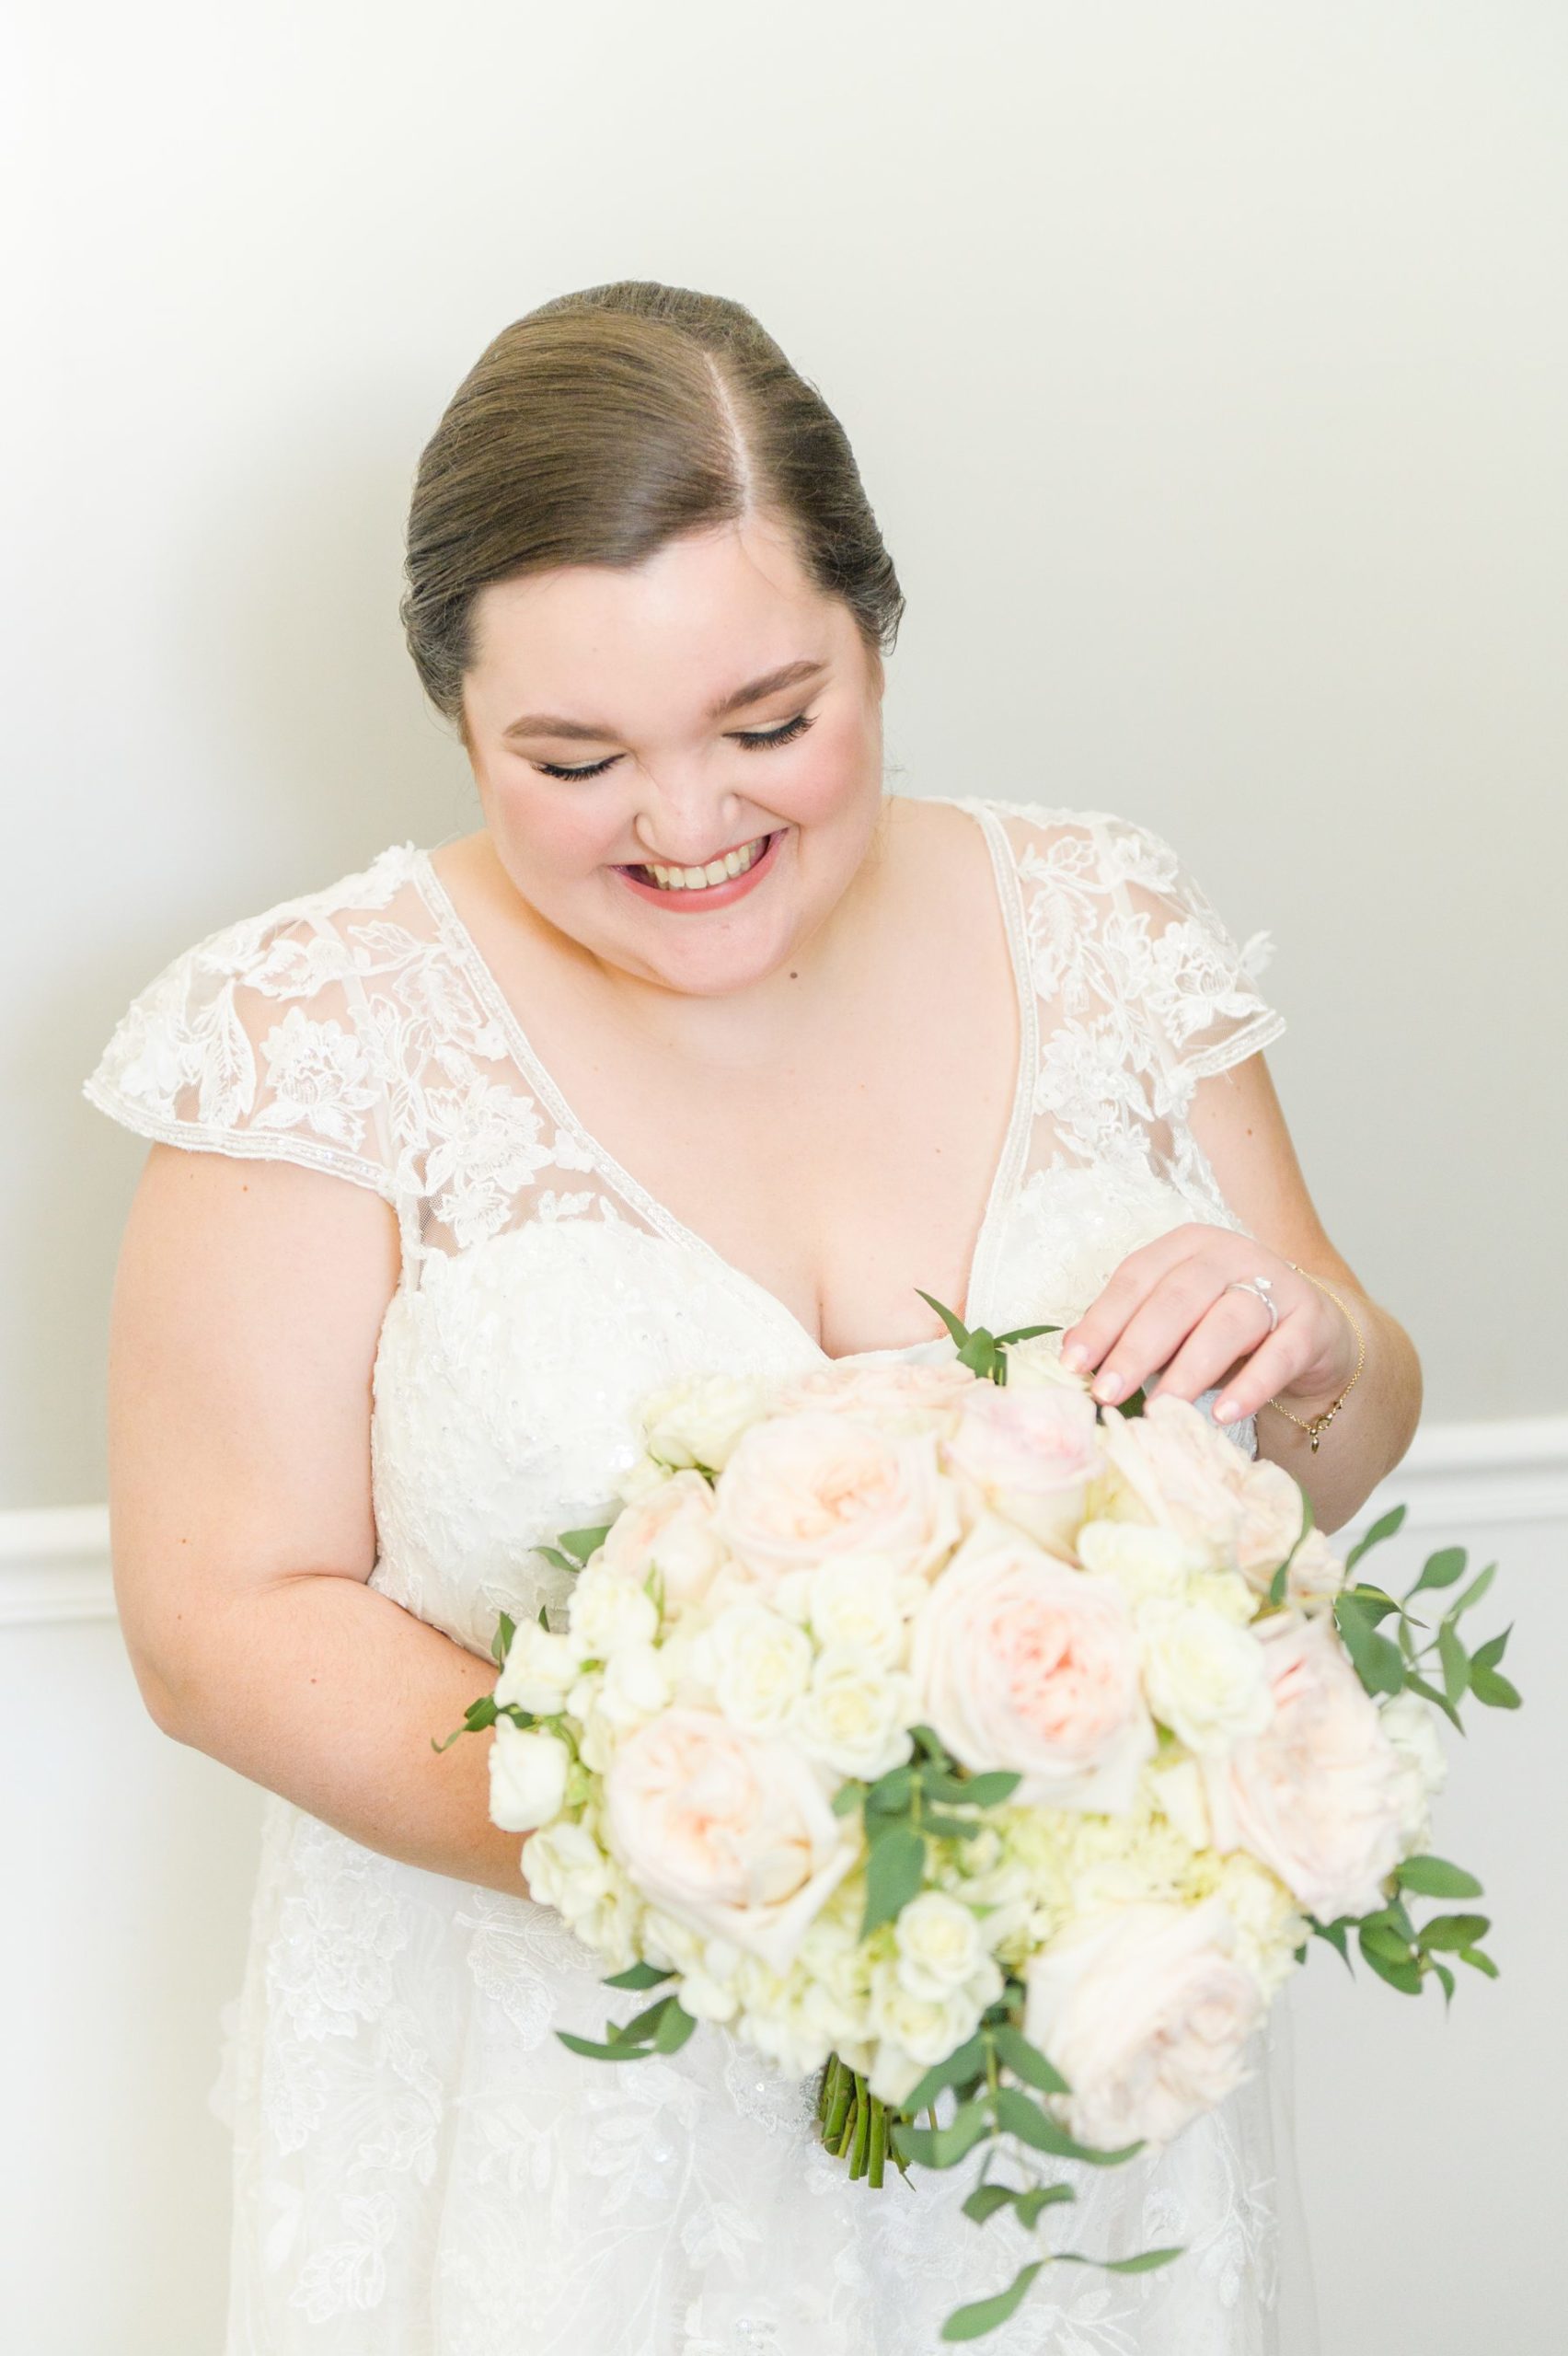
[838, 2104]
[862, 2129]
[878, 2146]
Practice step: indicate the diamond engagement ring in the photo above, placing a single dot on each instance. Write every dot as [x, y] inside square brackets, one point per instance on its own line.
[1263, 1287]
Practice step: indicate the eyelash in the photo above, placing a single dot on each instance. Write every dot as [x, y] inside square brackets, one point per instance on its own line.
[756, 741]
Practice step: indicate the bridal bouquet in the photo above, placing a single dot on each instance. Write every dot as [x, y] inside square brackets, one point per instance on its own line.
[992, 1753]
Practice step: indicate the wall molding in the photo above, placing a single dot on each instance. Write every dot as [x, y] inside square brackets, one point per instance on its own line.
[54, 1561]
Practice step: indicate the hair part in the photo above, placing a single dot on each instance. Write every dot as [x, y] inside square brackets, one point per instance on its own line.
[603, 425]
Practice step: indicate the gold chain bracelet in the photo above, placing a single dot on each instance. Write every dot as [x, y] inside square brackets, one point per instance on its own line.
[1318, 1425]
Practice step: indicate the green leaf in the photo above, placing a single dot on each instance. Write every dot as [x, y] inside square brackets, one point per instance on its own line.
[1440, 1569]
[894, 1870]
[966, 2062]
[1431, 1877]
[1383, 1527]
[1381, 1939]
[1405, 1977]
[1336, 1933]
[1018, 2116]
[943, 2147]
[505, 1630]
[1144, 2262]
[1281, 1578]
[584, 1542]
[1455, 1660]
[1454, 1930]
[1491, 1687]
[620, 2052]
[981, 2315]
[950, 1828]
[848, 1797]
[1483, 1962]
[1376, 1661]
[1487, 1656]
[641, 1975]
[889, 1796]
[991, 1789]
[1026, 2061]
[954, 1324]
[1028, 2204]
[1414, 1685]
[1474, 1592]
[562, 1562]
[985, 2199]
[1373, 1603]
[673, 2029]
[1447, 1976]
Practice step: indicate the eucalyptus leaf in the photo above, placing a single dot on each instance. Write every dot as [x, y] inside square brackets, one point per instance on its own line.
[1376, 1661]
[1455, 1660]
[1414, 1685]
[1487, 1656]
[1018, 2116]
[623, 2052]
[673, 2029]
[1447, 1976]
[639, 1975]
[981, 2315]
[1492, 1688]
[1026, 2061]
[991, 1789]
[584, 1542]
[1474, 1592]
[1144, 2262]
[985, 2199]
[943, 2147]
[1432, 1876]
[1028, 2204]
[1440, 1569]
[1448, 1930]
[1405, 1977]
[895, 1867]
[1384, 1527]
[1481, 1962]
[966, 2061]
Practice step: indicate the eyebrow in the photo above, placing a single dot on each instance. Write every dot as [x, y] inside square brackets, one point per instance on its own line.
[551, 724]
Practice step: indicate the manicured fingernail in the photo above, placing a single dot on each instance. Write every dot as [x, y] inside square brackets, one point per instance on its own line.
[1076, 1357]
[1225, 1411]
[1108, 1387]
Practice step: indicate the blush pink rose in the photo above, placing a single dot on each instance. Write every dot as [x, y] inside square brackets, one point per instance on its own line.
[808, 1488]
[1147, 2012]
[1179, 1470]
[1020, 1661]
[1030, 1455]
[1317, 1795]
[729, 1832]
[672, 1531]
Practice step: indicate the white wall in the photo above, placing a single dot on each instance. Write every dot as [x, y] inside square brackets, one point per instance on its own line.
[1427, 2144]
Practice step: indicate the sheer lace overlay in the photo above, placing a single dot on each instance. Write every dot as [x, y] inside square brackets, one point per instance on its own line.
[421, 2167]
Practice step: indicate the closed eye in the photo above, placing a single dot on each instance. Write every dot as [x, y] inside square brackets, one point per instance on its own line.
[755, 739]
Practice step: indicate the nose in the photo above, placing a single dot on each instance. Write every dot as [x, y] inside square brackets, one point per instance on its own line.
[690, 829]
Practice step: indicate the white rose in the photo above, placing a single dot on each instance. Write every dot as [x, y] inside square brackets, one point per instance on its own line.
[698, 1419]
[539, 1671]
[1030, 1455]
[1410, 1726]
[1205, 1678]
[605, 1612]
[635, 1685]
[755, 1663]
[855, 1605]
[1142, 1560]
[855, 1716]
[729, 1831]
[1147, 2012]
[940, 1945]
[565, 1868]
[1020, 1661]
[527, 1776]
[924, 2028]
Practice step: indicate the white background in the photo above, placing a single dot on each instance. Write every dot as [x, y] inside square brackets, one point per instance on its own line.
[1206, 364]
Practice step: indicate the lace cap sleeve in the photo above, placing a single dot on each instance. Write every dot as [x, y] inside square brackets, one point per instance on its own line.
[260, 1041]
[1196, 985]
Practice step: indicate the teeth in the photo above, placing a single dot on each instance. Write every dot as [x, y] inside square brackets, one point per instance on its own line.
[718, 870]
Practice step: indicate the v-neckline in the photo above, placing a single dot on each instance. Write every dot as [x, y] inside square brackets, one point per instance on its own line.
[487, 989]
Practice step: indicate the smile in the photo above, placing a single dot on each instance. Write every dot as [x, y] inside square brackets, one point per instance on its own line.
[686, 890]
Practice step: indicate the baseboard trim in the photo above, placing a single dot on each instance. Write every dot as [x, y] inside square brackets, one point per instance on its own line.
[54, 1561]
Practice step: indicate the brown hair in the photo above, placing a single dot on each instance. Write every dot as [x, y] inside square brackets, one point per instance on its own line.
[608, 421]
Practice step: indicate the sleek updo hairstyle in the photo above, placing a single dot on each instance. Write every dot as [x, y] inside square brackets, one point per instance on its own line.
[607, 422]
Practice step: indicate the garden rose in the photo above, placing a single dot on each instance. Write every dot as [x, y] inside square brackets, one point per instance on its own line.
[803, 1489]
[528, 1778]
[1206, 1678]
[899, 1395]
[1177, 1470]
[1318, 1795]
[670, 1531]
[1020, 1661]
[729, 1832]
[697, 1419]
[1147, 2012]
[1030, 1455]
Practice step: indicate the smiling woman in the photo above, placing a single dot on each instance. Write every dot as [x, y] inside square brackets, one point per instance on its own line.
[701, 1052]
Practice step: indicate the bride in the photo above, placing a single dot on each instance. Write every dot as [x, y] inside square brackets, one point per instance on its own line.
[702, 1051]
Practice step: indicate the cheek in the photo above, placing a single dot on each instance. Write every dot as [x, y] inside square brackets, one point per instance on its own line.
[835, 769]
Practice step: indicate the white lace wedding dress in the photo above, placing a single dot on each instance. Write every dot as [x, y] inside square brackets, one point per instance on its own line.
[421, 2167]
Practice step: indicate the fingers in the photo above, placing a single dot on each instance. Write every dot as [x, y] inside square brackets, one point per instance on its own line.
[1272, 1366]
[1190, 1301]
[1106, 1319]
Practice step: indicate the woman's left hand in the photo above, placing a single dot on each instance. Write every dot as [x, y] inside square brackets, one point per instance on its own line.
[1169, 1306]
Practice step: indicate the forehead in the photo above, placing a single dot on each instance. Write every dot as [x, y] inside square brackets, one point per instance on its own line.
[678, 631]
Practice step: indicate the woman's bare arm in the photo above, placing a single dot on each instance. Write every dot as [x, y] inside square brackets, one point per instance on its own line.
[247, 1302]
[1237, 1119]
